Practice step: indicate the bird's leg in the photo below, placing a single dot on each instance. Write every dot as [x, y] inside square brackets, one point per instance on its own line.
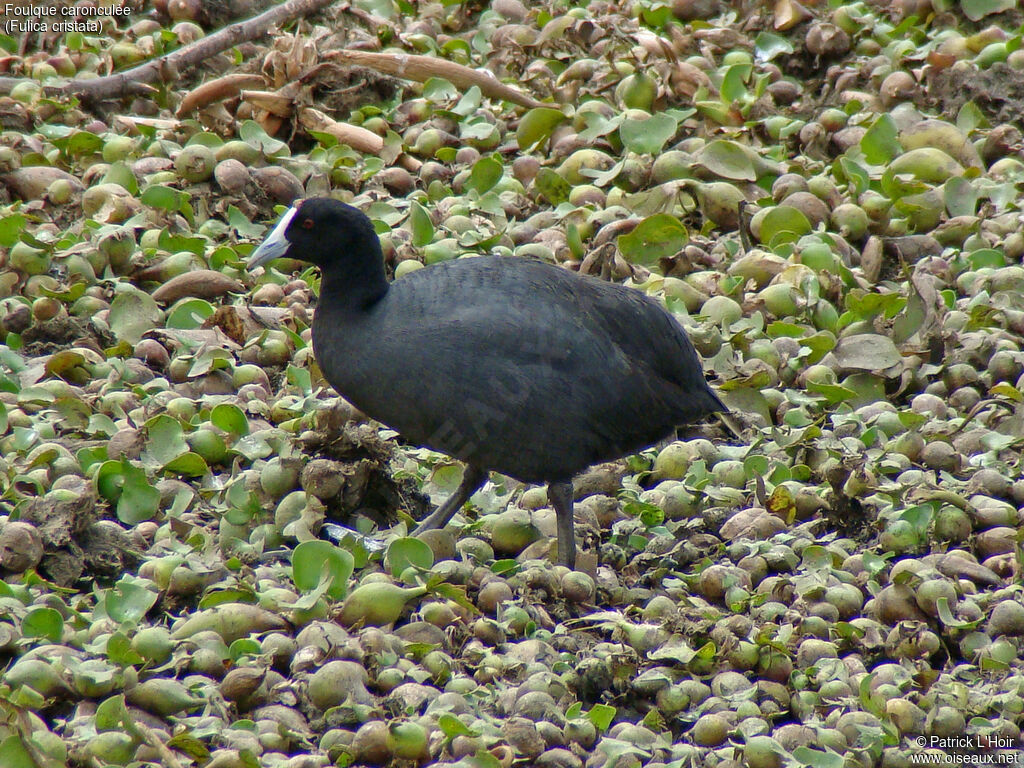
[560, 496]
[472, 479]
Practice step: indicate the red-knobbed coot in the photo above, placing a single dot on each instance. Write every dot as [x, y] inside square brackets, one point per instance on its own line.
[509, 364]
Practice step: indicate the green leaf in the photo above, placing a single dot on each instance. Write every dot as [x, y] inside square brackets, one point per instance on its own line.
[174, 243]
[244, 646]
[132, 313]
[648, 137]
[970, 118]
[166, 438]
[300, 378]
[537, 125]
[834, 393]
[14, 755]
[469, 103]
[315, 561]
[961, 197]
[728, 160]
[241, 224]
[409, 552]
[111, 714]
[189, 314]
[948, 619]
[987, 257]
[129, 599]
[601, 715]
[109, 480]
[422, 226]
[439, 89]
[483, 759]
[553, 187]
[816, 758]
[784, 224]
[163, 197]
[211, 359]
[186, 743]
[768, 45]
[63, 363]
[734, 82]
[119, 651]
[230, 418]
[252, 133]
[451, 726]
[598, 125]
[120, 173]
[487, 171]
[976, 10]
[11, 226]
[44, 623]
[880, 144]
[475, 129]
[656, 237]
[191, 464]
[139, 499]
[856, 175]
[506, 567]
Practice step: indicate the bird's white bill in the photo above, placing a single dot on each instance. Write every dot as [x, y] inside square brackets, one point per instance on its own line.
[276, 244]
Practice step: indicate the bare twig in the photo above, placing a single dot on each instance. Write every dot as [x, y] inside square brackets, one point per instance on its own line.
[135, 80]
[422, 68]
[212, 91]
[355, 136]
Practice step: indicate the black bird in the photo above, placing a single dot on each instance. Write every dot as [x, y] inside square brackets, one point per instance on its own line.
[511, 365]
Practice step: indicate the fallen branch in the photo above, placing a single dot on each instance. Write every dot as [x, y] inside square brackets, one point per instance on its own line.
[225, 87]
[355, 136]
[169, 67]
[422, 68]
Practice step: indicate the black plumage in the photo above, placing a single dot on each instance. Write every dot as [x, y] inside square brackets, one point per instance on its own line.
[511, 365]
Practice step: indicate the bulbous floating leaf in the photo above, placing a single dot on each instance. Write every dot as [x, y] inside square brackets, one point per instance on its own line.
[132, 313]
[11, 226]
[422, 226]
[189, 314]
[647, 137]
[487, 171]
[129, 599]
[166, 438]
[656, 237]
[409, 552]
[734, 82]
[976, 10]
[880, 144]
[867, 352]
[728, 160]
[768, 45]
[537, 125]
[139, 499]
[315, 561]
[163, 197]
[44, 623]
[784, 224]
[552, 186]
[189, 463]
[230, 418]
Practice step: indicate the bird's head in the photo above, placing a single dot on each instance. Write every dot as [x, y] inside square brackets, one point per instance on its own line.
[322, 231]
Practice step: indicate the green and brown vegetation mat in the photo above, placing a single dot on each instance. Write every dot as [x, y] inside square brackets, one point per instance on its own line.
[828, 196]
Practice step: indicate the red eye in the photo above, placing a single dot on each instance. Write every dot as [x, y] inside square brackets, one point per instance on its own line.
[307, 223]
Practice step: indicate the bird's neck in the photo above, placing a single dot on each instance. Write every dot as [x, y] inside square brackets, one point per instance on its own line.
[356, 288]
